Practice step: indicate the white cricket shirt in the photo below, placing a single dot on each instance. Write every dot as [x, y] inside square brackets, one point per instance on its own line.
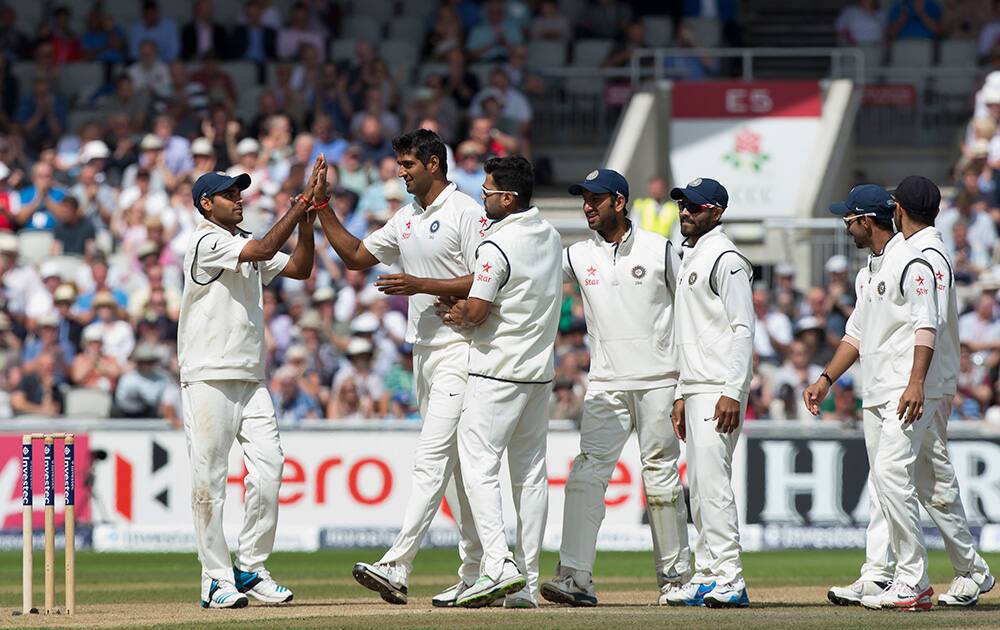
[714, 319]
[628, 302]
[896, 297]
[942, 376]
[220, 334]
[518, 270]
[439, 242]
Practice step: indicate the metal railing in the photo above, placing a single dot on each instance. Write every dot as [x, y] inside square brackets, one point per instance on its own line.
[924, 106]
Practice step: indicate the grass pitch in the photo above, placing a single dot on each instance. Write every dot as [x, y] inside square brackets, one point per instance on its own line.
[787, 590]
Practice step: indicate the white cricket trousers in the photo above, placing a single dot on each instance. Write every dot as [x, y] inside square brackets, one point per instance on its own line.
[937, 491]
[892, 460]
[713, 505]
[608, 419]
[441, 374]
[513, 417]
[216, 413]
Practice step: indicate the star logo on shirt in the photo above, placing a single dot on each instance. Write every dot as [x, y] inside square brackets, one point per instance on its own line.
[920, 280]
[407, 226]
[940, 276]
[486, 267]
[591, 270]
[483, 221]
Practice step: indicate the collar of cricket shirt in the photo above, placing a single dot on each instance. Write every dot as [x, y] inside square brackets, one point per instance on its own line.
[714, 232]
[438, 201]
[530, 213]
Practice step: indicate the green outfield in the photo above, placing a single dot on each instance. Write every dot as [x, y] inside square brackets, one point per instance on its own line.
[787, 590]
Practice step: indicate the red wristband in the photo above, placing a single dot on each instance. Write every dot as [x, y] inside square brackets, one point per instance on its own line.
[299, 199]
[321, 206]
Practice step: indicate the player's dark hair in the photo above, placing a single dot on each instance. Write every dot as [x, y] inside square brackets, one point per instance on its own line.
[884, 224]
[424, 145]
[923, 218]
[513, 173]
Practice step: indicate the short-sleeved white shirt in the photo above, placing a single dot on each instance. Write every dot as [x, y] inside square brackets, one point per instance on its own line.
[221, 330]
[438, 242]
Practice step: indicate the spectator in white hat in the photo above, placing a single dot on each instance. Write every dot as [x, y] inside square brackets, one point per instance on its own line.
[92, 367]
[203, 154]
[371, 390]
[152, 160]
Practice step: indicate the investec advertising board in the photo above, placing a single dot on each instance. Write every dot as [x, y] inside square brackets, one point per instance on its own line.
[797, 485]
[755, 137]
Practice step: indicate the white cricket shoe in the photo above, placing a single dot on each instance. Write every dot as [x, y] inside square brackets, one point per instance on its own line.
[388, 580]
[520, 599]
[261, 586]
[731, 595]
[963, 592]
[486, 590]
[688, 594]
[671, 589]
[448, 597]
[985, 581]
[851, 595]
[221, 594]
[901, 597]
[570, 587]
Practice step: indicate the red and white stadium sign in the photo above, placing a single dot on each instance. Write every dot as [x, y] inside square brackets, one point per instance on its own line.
[756, 138]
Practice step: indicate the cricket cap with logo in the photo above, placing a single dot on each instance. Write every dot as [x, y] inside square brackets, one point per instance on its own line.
[864, 199]
[703, 190]
[213, 183]
[603, 180]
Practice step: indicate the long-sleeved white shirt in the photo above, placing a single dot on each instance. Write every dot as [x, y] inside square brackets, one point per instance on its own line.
[714, 318]
[628, 297]
[897, 297]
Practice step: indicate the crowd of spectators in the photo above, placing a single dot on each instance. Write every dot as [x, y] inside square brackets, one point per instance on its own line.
[95, 214]
[95, 217]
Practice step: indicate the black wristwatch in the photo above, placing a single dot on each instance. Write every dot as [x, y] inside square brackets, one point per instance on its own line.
[827, 377]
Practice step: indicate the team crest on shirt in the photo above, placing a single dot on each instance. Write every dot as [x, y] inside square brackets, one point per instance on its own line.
[692, 278]
[881, 288]
[638, 272]
[435, 226]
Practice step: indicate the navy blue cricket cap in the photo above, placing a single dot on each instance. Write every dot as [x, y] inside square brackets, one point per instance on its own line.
[213, 183]
[603, 180]
[703, 190]
[866, 198]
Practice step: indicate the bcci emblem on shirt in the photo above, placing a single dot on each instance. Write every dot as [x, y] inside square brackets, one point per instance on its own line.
[638, 272]
[881, 288]
[692, 277]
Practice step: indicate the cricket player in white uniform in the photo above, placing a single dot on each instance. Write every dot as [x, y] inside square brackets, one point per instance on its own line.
[918, 200]
[627, 277]
[220, 345]
[434, 240]
[713, 335]
[892, 330]
[514, 307]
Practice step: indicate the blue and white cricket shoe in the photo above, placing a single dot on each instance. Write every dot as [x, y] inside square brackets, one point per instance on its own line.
[690, 594]
[221, 594]
[732, 595]
[259, 585]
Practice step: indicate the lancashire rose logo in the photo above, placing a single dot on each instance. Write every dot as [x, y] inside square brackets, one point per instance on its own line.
[747, 152]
